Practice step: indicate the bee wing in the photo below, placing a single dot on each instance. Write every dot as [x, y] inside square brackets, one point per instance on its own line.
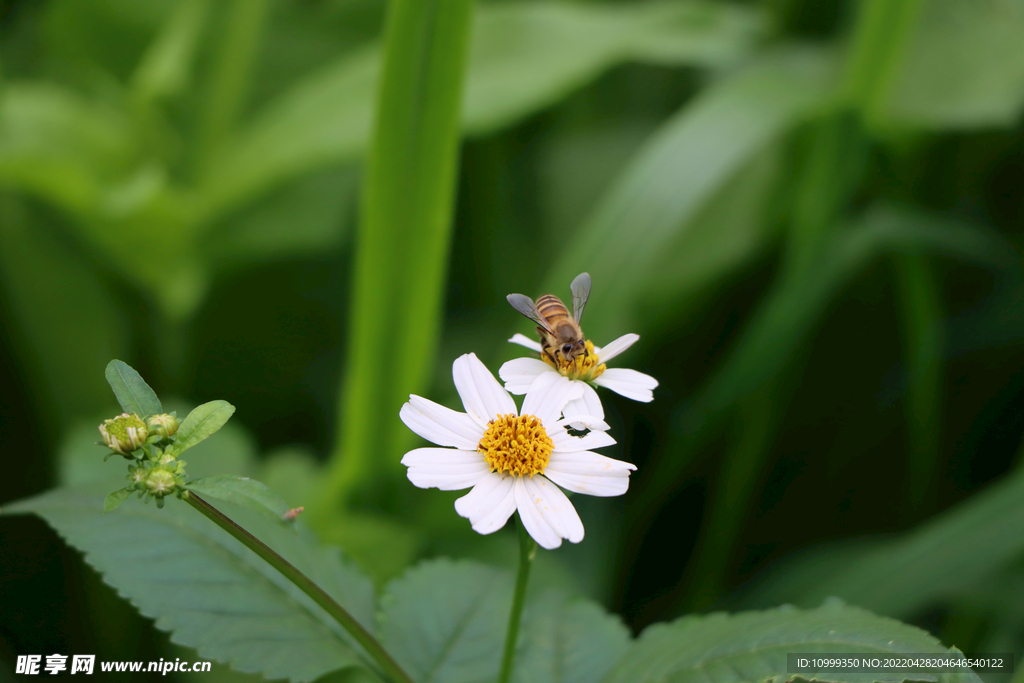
[525, 305]
[580, 289]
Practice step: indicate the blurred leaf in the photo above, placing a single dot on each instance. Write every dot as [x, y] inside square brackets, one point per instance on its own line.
[753, 646]
[445, 622]
[568, 641]
[211, 592]
[165, 68]
[242, 491]
[116, 498]
[681, 167]
[132, 392]
[527, 56]
[201, 423]
[952, 553]
[408, 200]
[60, 146]
[963, 68]
[310, 216]
[524, 57]
[61, 370]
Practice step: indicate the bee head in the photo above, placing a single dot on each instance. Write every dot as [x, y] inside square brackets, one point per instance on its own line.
[570, 350]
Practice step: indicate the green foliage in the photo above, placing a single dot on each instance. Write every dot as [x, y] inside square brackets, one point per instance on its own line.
[445, 622]
[202, 423]
[132, 392]
[408, 200]
[942, 560]
[242, 491]
[752, 646]
[208, 590]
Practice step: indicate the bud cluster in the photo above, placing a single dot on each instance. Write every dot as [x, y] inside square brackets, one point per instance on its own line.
[155, 470]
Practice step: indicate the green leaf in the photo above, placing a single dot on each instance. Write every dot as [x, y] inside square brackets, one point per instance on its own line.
[208, 590]
[408, 199]
[963, 68]
[568, 641]
[116, 498]
[687, 162]
[527, 56]
[243, 491]
[753, 646]
[948, 555]
[201, 423]
[165, 68]
[445, 621]
[132, 392]
[524, 56]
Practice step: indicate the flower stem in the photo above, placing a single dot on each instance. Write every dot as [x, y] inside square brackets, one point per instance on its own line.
[527, 551]
[373, 648]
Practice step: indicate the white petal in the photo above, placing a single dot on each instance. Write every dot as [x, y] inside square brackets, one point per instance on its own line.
[532, 519]
[440, 425]
[481, 394]
[589, 473]
[523, 340]
[445, 468]
[566, 443]
[554, 508]
[628, 383]
[616, 347]
[440, 456]
[548, 395]
[581, 422]
[518, 374]
[489, 505]
[587, 404]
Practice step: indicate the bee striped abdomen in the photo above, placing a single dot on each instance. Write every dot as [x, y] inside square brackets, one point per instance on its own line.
[550, 307]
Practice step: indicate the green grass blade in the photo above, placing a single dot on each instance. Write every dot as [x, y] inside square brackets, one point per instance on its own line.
[681, 168]
[524, 56]
[405, 229]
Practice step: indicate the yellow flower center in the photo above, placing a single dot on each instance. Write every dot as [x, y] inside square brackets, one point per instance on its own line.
[584, 367]
[517, 445]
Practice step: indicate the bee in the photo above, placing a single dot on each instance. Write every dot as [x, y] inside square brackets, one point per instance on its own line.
[561, 338]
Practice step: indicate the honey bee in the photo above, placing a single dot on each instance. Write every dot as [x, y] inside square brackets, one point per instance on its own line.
[561, 338]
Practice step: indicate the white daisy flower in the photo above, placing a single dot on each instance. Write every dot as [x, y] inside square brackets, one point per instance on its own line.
[511, 458]
[520, 373]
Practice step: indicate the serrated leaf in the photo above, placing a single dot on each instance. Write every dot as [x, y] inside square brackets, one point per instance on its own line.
[242, 491]
[116, 498]
[753, 646]
[132, 392]
[444, 621]
[568, 641]
[202, 422]
[210, 591]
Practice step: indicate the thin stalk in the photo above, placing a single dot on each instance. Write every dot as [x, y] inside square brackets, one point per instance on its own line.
[373, 648]
[232, 70]
[527, 551]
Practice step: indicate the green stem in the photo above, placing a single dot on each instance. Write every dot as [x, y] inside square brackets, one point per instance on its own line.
[373, 648]
[232, 69]
[527, 551]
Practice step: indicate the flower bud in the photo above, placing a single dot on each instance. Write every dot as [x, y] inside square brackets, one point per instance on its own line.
[124, 433]
[161, 481]
[165, 425]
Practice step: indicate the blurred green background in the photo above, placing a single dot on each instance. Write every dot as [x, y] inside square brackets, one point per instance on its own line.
[810, 211]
